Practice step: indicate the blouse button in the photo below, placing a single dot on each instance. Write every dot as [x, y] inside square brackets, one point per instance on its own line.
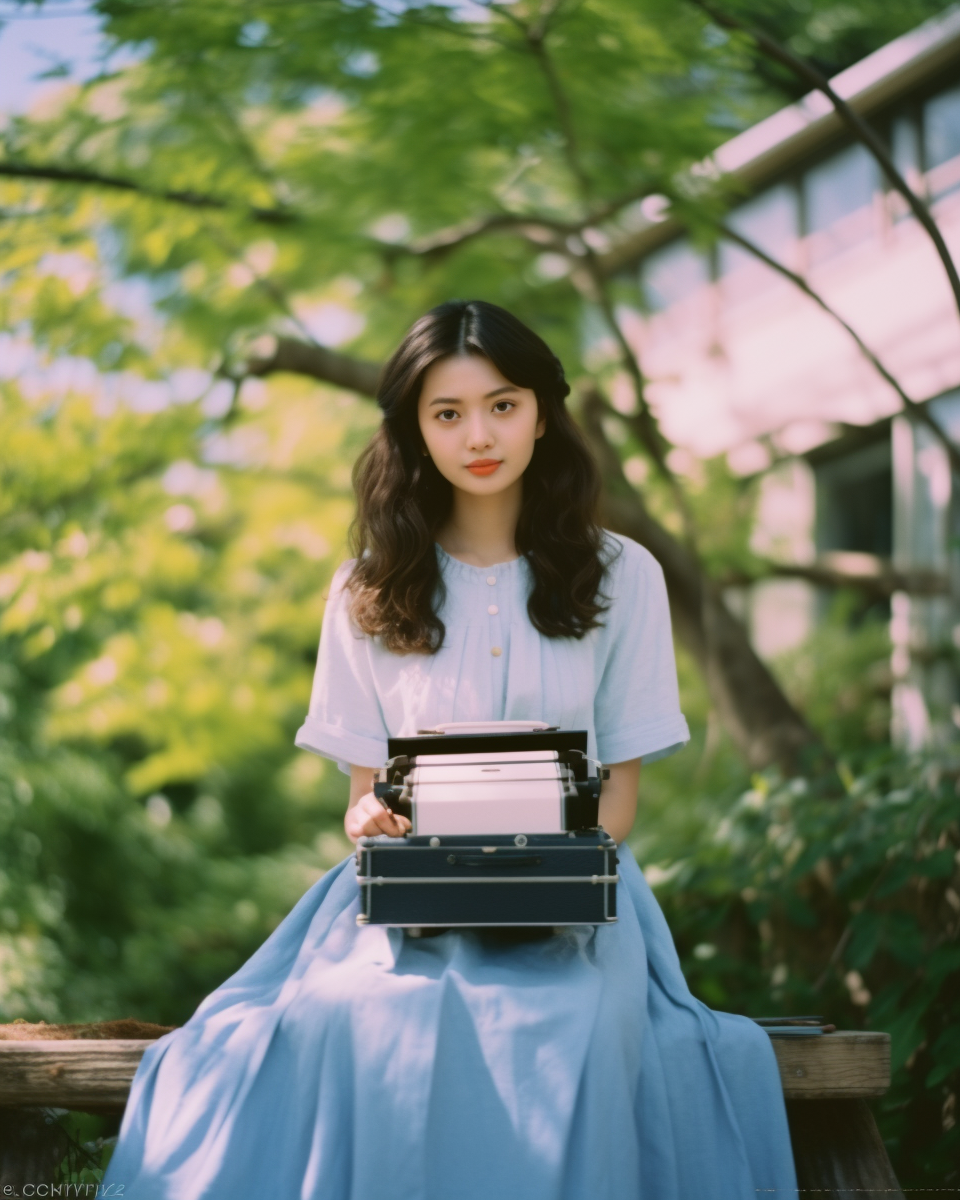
[493, 610]
[495, 651]
[491, 579]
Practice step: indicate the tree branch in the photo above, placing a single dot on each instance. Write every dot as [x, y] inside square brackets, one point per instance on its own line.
[238, 134]
[865, 572]
[597, 289]
[442, 241]
[762, 721]
[643, 422]
[51, 173]
[317, 362]
[920, 411]
[536, 40]
[268, 286]
[861, 130]
[305, 357]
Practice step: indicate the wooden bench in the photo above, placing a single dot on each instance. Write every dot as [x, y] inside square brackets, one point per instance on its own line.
[827, 1082]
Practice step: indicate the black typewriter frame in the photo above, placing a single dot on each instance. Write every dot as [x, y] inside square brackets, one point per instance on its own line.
[581, 811]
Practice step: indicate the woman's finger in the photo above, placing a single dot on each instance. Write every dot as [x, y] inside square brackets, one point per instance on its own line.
[377, 822]
[373, 813]
[402, 823]
[377, 819]
[388, 823]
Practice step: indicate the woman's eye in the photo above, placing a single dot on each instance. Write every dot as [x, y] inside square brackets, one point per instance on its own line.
[509, 403]
[447, 412]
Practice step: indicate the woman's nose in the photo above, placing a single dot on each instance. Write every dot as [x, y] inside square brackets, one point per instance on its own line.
[478, 435]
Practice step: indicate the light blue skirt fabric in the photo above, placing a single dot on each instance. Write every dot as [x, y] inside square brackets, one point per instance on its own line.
[360, 1063]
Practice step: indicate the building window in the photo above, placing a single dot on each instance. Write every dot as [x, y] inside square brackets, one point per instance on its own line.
[838, 201]
[941, 142]
[855, 501]
[672, 274]
[854, 506]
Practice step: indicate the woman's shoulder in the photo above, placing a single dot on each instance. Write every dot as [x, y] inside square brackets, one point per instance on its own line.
[342, 573]
[626, 559]
[335, 594]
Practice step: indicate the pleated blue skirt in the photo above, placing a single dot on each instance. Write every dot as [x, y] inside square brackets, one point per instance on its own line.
[346, 1062]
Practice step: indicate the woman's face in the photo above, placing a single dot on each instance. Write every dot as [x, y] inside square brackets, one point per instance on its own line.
[478, 427]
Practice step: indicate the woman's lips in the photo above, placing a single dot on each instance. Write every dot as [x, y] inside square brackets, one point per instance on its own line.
[484, 466]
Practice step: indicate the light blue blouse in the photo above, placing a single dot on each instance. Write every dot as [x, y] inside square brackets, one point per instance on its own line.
[619, 682]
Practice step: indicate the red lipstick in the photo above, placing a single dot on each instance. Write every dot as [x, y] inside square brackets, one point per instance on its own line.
[484, 466]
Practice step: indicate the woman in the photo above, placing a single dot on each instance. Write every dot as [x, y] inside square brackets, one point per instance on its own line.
[359, 1063]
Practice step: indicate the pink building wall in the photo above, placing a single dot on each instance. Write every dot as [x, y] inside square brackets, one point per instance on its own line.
[741, 363]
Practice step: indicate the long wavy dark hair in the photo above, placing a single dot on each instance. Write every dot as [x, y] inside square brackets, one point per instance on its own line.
[402, 499]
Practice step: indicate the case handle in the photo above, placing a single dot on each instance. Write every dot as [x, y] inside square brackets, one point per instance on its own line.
[494, 861]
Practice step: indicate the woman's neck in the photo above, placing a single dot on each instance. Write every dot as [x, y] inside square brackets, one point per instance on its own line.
[481, 530]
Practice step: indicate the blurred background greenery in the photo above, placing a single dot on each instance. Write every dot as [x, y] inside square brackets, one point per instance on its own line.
[236, 180]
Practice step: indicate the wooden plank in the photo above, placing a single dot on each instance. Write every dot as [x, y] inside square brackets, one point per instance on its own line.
[20, 1030]
[842, 1065]
[838, 1151]
[90, 1074]
[68, 1074]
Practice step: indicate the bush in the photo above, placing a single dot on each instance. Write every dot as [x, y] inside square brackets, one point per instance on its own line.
[808, 896]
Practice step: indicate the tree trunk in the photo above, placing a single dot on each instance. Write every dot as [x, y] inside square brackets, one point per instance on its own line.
[763, 723]
[751, 704]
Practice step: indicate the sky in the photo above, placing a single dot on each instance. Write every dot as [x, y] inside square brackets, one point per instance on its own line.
[34, 40]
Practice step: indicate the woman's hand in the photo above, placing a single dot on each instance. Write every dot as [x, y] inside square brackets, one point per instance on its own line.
[367, 817]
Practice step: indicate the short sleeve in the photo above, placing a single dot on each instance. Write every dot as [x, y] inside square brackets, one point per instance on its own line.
[345, 720]
[637, 705]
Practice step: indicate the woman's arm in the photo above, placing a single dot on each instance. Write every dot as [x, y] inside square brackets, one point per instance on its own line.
[365, 815]
[618, 798]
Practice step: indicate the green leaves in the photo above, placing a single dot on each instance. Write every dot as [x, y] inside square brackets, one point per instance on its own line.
[841, 901]
[306, 128]
[161, 592]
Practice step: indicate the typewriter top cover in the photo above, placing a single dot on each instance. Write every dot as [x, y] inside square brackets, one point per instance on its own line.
[466, 739]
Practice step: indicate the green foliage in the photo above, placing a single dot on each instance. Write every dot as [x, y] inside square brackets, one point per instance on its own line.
[835, 895]
[840, 677]
[834, 34]
[809, 896]
[337, 119]
[90, 1141]
[295, 143]
[160, 616]
[680, 795]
